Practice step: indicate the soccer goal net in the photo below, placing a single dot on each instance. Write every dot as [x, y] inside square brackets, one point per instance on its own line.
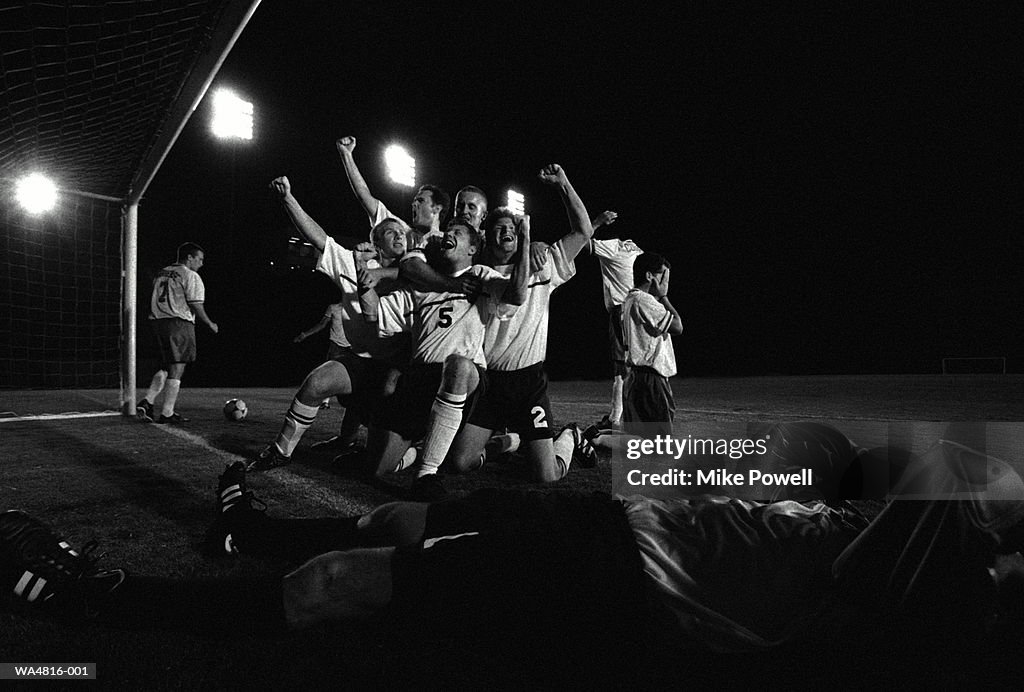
[60, 296]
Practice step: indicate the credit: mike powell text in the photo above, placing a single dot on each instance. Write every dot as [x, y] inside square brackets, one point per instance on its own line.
[718, 478]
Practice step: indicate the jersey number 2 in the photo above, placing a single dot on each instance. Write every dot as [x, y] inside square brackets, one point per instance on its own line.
[538, 417]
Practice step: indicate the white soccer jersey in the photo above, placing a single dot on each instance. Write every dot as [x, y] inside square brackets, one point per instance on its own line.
[443, 323]
[616, 259]
[174, 287]
[381, 213]
[339, 264]
[645, 325]
[522, 340]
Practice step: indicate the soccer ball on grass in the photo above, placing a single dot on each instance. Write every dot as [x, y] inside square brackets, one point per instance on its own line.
[235, 410]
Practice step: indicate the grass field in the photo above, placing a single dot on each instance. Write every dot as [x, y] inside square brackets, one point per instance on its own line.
[146, 493]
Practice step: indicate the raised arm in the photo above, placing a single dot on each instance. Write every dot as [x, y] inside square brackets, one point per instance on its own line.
[581, 229]
[302, 221]
[346, 145]
[515, 292]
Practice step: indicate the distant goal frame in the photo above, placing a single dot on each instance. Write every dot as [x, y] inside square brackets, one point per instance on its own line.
[973, 365]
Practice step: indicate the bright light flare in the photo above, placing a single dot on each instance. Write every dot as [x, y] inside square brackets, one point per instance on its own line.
[232, 117]
[516, 202]
[401, 166]
[36, 193]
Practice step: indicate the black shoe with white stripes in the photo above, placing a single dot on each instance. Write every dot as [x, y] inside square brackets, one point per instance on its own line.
[37, 567]
[235, 504]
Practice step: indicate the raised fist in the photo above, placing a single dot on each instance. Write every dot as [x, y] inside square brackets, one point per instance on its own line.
[281, 187]
[552, 174]
[345, 144]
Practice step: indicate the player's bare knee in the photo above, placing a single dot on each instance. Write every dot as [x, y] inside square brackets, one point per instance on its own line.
[458, 373]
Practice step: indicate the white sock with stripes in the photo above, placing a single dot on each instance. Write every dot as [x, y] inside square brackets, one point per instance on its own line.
[296, 423]
[444, 422]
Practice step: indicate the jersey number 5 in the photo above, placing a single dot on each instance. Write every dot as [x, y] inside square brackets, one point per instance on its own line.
[444, 318]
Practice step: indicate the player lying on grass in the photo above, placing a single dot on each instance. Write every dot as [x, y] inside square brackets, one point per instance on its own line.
[447, 355]
[516, 397]
[370, 367]
[533, 574]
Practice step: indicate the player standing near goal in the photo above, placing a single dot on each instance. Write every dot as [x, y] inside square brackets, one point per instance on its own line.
[176, 302]
[515, 349]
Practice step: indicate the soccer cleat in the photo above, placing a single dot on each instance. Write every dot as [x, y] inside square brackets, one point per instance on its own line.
[427, 489]
[232, 494]
[37, 566]
[607, 425]
[144, 411]
[583, 452]
[268, 458]
[173, 419]
[234, 504]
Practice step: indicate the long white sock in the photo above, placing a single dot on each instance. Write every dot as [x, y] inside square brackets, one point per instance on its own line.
[616, 413]
[296, 423]
[564, 445]
[156, 386]
[171, 389]
[444, 422]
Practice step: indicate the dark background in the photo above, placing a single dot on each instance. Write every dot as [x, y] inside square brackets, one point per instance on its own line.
[838, 189]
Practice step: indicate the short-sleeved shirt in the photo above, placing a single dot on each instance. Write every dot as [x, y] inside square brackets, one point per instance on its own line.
[381, 213]
[174, 287]
[645, 325]
[522, 340]
[616, 259]
[444, 323]
[339, 264]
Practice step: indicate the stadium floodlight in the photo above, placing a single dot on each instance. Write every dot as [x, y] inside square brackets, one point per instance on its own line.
[232, 116]
[516, 202]
[401, 166]
[36, 193]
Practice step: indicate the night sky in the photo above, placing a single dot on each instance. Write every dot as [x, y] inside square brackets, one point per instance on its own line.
[839, 191]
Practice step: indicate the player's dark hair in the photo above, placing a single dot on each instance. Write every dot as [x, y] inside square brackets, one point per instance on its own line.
[186, 250]
[493, 217]
[438, 196]
[475, 237]
[648, 262]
